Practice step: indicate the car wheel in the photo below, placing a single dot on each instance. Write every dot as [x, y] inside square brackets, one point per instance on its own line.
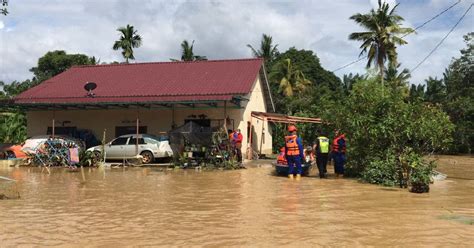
[97, 157]
[147, 157]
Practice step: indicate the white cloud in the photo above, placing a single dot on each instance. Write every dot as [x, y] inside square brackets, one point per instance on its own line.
[375, 3]
[2, 25]
[221, 29]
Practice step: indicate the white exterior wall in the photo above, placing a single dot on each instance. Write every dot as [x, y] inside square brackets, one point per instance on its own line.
[157, 120]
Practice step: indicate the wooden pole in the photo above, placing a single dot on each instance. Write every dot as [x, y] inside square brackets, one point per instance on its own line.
[173, 123]
[225, 116]
[261, 137]
[53, 127]
[138, 127]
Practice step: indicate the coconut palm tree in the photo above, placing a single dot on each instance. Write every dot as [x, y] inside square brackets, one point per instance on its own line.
[267, 50]
[129, 39]
[291, 80]
[381, 37]
[187, 53]
[396, 77]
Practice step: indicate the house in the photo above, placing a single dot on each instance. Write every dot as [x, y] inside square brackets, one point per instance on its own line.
[156, 97]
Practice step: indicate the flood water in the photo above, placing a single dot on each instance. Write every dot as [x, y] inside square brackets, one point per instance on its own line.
[250, 208]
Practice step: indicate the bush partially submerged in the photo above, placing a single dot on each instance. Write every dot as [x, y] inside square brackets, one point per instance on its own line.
[388, 136]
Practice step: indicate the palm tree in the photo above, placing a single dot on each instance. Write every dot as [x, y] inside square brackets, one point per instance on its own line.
[397, 78]
[187, 53]
[267, 50]
[129, 39]
[291, 81]
[348, 81]
[380, 40]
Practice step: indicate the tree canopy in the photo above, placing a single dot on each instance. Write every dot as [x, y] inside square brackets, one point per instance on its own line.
[267, 50]
[129, 39]
[55, 62]
[381, 37]
[187, 52]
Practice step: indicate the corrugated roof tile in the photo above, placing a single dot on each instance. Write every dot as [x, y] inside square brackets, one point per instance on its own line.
[141, 81]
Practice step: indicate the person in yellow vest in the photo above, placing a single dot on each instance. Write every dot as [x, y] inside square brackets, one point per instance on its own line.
[321, 146]
[294, 152]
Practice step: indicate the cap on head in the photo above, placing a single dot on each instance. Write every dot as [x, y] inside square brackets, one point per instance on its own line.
[292, 128]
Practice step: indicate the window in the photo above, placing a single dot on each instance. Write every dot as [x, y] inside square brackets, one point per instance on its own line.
[151, 141]
[133, 141]
[119, 141]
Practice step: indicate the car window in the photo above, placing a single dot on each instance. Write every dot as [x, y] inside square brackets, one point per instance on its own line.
[151, 141]
[119, 141]
[133, 141]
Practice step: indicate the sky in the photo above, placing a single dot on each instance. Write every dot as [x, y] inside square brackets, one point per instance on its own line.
[221, 30]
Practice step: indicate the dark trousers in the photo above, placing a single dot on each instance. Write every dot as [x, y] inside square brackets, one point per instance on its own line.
[238, 151]
[322, 161]
[239, 155]
[292, 162]
[339, 159]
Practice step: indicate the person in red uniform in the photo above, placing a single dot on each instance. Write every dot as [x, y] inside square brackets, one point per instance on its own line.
[236, 139]
[339, 153]
[294, 152]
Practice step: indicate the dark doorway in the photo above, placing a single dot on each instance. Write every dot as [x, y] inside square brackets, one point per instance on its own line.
[201, 122]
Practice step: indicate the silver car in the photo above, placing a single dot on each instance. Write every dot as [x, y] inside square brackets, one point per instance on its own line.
[124, 147]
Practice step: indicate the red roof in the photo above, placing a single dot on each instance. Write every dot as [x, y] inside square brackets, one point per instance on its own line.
[149, 82]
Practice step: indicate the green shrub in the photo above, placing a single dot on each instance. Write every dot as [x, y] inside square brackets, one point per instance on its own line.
[388, 135]
[380, 172]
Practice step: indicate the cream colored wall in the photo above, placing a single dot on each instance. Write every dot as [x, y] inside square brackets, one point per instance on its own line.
[256, 103]
[157, 120]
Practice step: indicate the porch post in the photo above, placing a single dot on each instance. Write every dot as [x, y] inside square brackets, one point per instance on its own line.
[225, 114]
[52, 126]
[173, 121]
[263, 133]
[138, 127]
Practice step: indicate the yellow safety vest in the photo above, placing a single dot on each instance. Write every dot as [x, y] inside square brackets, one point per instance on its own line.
[323, 144]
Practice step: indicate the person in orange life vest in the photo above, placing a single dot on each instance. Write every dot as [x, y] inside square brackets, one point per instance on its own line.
[294, 152]
[236, 141]
[339, 153]
[281, 159]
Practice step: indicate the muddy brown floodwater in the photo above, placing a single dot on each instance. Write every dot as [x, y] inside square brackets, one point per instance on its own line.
[250, 208]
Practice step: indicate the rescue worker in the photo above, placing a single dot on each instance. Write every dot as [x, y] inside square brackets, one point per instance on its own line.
[321, 146]
[236, 140]
[294, 152]
[339, 153]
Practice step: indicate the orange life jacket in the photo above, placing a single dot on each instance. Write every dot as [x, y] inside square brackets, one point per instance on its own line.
[281, 158]
[335, 144]
[292, 148]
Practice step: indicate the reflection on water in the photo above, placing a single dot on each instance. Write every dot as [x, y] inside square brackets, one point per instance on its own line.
[146, 206]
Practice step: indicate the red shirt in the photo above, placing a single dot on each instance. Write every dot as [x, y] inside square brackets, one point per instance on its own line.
[237, 137]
